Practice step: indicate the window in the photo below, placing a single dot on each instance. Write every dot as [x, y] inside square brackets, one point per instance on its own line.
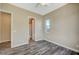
[47, 25]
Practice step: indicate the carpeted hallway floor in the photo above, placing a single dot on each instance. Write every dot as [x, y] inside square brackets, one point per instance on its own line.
[38, 48]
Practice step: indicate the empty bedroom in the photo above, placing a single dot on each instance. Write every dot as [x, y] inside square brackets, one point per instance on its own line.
[39, 28]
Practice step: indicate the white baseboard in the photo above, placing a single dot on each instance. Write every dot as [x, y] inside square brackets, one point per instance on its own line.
[38, 39]
[63, 46]
[13, 46]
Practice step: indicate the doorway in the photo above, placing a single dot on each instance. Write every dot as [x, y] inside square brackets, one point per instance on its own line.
[5, 30]
[31, 30]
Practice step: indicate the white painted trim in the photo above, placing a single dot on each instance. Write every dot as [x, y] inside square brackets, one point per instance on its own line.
[38, 12]
[35, 25]
[5, 11]
[19, 45]
[11, 23]
[62, 45]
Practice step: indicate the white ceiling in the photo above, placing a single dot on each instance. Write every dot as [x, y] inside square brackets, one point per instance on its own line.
[42, 10]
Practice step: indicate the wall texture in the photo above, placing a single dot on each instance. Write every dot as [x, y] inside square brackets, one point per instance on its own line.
[20, 24]
[64, 27]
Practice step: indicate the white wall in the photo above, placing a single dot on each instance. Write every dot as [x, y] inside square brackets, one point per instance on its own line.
[20, 25]
[38, 30]
[65, 24]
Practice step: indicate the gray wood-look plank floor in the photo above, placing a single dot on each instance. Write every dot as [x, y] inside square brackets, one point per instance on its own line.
[38, 48]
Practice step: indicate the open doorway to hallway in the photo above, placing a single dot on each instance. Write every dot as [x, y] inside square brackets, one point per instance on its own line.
[31, 29]
[5, 30]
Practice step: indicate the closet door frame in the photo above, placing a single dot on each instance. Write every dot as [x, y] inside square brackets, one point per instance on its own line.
[12, 31]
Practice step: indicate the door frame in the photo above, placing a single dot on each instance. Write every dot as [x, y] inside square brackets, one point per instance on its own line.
[5, 11]
[31, 17]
